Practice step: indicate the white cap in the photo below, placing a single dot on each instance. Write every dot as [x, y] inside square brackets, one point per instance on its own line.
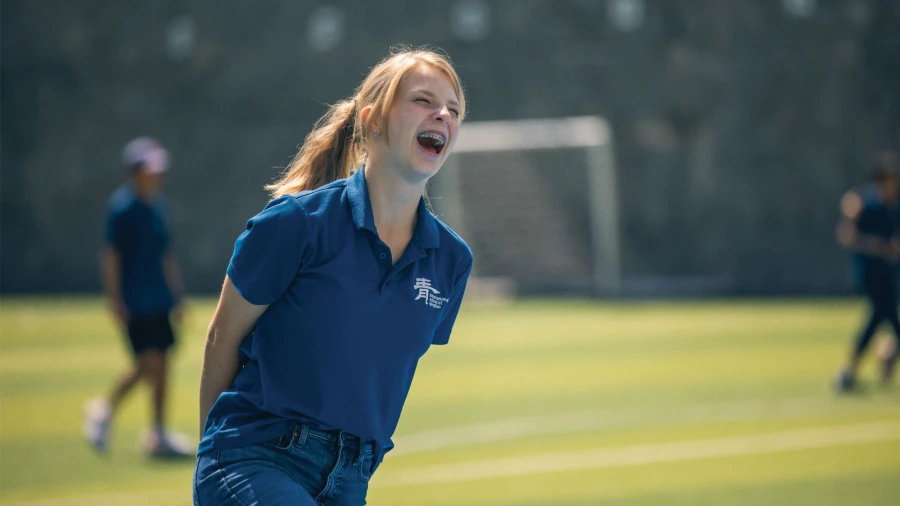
[147, 152]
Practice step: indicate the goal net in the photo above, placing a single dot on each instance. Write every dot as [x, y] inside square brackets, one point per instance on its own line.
[536, 201]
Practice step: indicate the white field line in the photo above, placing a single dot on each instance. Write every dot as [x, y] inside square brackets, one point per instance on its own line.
[678, 451]
[639, 416]
[521, 427]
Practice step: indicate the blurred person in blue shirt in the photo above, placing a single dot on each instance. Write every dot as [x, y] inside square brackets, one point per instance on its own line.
[333, 293]
[142, 281]
[870, 228]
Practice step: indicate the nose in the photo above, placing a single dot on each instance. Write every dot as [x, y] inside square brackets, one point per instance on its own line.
[444, 115]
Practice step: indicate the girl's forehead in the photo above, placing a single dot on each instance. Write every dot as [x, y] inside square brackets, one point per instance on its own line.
[425, 76]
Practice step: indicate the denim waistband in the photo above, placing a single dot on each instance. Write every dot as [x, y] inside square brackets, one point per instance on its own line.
[335, 436]
[300, 432]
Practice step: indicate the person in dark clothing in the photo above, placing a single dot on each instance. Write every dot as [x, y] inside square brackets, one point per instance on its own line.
[143, 288]
[869, 227]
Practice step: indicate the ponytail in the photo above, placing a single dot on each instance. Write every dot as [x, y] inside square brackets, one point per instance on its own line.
[328, 153]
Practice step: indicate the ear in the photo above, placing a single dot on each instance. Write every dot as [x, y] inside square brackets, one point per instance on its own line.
[368, 119]
[364, 115]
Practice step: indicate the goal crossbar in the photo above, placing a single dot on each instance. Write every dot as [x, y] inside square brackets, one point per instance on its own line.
[581, 131]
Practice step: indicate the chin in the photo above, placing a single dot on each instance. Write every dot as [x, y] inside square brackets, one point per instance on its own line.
[420, 168]
[426, 170]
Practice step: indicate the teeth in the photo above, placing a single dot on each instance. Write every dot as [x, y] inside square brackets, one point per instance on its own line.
[431, 135]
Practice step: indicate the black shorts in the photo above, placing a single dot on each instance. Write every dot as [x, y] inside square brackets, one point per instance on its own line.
[150, 333]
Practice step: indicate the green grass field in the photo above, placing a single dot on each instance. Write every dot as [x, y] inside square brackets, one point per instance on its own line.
[536, 403]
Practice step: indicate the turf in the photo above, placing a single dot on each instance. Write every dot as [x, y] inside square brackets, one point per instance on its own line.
[545, 380]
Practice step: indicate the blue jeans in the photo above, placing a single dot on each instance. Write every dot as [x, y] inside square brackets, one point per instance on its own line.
[304, 467]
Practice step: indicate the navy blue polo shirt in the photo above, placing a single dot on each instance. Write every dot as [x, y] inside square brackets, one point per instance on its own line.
[879, 220]
[137, 231]
[338, 346]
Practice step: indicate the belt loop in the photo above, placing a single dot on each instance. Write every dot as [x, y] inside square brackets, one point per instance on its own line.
[304, 432]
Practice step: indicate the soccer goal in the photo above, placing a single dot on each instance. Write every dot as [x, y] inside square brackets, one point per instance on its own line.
[537, 202]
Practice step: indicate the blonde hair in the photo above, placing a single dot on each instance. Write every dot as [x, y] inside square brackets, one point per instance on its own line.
[337, 142]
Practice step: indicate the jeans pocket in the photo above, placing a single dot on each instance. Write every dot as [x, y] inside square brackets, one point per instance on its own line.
[284, 441]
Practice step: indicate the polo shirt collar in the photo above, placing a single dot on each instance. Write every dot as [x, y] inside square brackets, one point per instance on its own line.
[361, 209]
[360, 205]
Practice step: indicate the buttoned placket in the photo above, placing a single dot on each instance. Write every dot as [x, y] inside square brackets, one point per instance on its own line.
[388, 271]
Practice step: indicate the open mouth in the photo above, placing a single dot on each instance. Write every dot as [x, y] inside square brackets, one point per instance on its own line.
[432, 142]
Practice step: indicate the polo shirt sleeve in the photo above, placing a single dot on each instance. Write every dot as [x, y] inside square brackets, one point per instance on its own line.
[114, 229]
[268, 254]
[442, 334]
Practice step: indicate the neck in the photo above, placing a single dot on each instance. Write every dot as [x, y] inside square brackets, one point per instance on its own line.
[394, 200]
[143, 194]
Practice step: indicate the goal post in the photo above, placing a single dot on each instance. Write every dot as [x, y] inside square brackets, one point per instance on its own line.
[537, 200]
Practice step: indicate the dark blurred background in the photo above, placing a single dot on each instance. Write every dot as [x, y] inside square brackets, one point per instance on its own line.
[737, 124]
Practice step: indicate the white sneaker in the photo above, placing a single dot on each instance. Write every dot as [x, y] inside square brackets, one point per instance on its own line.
[97, 417]
[171, 445]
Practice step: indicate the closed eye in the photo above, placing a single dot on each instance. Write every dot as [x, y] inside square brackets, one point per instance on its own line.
[423, 100]
[455, 112]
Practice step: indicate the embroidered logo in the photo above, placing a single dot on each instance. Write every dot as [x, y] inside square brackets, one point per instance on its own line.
[429, 293]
